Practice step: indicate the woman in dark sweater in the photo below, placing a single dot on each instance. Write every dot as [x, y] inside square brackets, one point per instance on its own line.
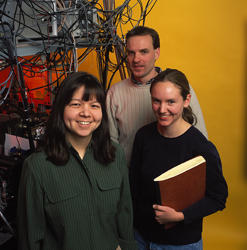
[158, 147]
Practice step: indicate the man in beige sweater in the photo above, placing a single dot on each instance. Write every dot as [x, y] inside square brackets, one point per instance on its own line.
[129, 101]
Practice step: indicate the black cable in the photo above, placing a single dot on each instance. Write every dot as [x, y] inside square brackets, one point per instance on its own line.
[77, 28]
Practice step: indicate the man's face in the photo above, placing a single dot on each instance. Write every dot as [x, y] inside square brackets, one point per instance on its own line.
[141, 57]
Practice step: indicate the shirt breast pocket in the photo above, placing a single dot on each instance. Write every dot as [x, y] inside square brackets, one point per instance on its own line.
[108, 193]
[63, 200]
[62, 195]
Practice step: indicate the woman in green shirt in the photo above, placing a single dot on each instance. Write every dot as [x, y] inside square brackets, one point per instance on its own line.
[74, 193]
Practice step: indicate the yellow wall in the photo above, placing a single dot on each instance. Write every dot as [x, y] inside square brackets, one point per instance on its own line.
[207, 40]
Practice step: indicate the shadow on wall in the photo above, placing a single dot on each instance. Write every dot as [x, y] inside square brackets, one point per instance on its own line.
[245, 105]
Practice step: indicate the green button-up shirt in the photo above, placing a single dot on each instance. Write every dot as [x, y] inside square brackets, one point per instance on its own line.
[82, 205]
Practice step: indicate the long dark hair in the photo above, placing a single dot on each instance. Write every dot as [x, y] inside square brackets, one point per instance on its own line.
[54, 143]
[178, 78]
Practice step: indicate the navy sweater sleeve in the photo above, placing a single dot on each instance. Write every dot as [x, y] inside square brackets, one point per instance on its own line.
[134, 172]
[216, 187]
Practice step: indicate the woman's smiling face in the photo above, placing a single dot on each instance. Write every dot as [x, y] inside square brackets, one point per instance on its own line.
[168, 103]
[82, 117]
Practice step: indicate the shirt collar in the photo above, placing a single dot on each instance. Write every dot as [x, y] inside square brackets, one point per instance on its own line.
[157, 69]
[75, 153]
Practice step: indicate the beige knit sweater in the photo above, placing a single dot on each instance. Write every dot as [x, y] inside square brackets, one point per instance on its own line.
[129, 108]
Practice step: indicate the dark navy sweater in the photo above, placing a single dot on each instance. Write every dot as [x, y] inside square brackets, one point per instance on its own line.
[152, 155]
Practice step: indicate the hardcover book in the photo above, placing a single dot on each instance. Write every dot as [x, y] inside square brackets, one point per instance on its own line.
[183, 185]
